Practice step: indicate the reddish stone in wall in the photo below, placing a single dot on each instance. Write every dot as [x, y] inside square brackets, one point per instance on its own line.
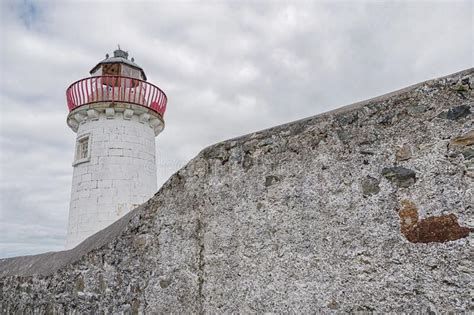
[432, 229]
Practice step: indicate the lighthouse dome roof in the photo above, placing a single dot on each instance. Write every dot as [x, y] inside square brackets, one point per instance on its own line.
[120, 56]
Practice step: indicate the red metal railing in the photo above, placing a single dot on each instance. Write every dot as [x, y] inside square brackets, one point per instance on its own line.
[116, 89]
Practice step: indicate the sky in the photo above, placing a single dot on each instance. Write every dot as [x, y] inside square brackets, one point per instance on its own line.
[228, 68]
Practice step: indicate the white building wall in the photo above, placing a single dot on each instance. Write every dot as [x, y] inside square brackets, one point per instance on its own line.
[119, 175]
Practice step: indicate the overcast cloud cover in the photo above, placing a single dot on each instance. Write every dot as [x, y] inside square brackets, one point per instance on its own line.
[228, 69]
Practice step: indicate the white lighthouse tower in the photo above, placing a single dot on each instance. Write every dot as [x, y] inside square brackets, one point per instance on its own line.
[116, 114]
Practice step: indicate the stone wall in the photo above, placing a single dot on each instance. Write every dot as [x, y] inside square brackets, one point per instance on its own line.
[366, 208]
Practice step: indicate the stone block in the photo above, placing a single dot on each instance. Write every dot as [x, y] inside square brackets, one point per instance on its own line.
[144, 118]
[127, 114]
[110, 113]
[93, 114]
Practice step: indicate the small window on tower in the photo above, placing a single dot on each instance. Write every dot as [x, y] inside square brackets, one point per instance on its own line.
[82, 150]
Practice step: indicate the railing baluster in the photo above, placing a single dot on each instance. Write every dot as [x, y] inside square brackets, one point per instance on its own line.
[70, 95]
[134, 94]
[107, 88]
[153, 98]
[74, 95]
[145, 90]
[145, 95]
[68, 100]
[96, 83]
[139, 92]
[84, 94]
[160, 101]
[164, 106]
[113, 89]
[150, 92]
[81, 92]
[150, 99]
[121, 89]
[86, 83]
[77, 96]
[129, 87]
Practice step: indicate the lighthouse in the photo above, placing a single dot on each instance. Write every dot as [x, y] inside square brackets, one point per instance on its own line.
[116, 115]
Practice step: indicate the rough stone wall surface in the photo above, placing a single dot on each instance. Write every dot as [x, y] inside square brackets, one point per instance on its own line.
[119, 175]
[366, 208]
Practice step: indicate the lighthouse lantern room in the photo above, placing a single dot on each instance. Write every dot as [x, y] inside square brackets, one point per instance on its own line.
[116, 114]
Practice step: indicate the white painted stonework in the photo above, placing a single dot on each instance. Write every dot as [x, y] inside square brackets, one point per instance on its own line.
[119, 172]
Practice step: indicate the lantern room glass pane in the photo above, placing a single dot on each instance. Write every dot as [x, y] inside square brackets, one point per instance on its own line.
[131, 72]
[97, 72]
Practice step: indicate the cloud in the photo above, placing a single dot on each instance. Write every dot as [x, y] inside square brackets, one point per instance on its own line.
[227, 68]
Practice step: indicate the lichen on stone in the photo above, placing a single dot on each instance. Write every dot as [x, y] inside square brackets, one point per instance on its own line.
[370, 186]
[401, 176]
[456, 112]
[404, 152]
[463, 140]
